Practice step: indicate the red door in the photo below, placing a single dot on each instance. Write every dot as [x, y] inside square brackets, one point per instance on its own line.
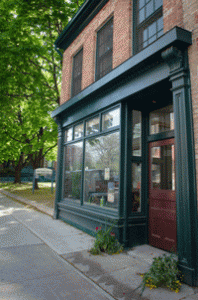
[162, 200]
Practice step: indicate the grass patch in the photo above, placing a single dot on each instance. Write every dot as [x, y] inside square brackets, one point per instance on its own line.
[41, 196]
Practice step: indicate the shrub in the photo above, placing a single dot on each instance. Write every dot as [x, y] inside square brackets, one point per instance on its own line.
[163, 272]
[106, 242]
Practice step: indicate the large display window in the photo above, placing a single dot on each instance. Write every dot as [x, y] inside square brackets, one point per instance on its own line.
[92, 164]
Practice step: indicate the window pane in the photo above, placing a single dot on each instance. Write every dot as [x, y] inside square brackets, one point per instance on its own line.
[158, 3]
[149, 9]
[104, 50]
[78, 131]
[163, 167]
[77, 73]
[137, 133]
[162, 120]
[152, 39]
[136, 186]
[152, 29]
[111, 119]
[160, 24]
[141, 3]
[68, 135]
[101, 174]
[92, 126]
[145, 35]
[149, 22]
[142, 15]
[73, 171]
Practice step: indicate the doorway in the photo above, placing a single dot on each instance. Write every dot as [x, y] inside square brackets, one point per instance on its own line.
[162, 197]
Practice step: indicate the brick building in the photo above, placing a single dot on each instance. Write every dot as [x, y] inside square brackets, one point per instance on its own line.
[128, 123]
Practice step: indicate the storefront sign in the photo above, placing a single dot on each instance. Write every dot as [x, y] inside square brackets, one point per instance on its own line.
[43, 171]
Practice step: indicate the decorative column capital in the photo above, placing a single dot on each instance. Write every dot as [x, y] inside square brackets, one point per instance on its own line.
[174, 58]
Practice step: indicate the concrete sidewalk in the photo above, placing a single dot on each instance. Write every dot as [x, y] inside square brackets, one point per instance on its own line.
[42, 258]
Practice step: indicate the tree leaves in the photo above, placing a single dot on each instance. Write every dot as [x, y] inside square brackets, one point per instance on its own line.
[30, 75]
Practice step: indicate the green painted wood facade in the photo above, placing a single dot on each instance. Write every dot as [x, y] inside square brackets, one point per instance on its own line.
[160, 71]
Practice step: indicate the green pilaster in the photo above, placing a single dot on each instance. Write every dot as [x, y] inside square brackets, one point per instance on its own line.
[185, 163]
[59, 169]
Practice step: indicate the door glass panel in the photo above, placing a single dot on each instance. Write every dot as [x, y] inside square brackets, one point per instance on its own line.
[137, 133]
[161, 120]
[136, 186]
[163, 167]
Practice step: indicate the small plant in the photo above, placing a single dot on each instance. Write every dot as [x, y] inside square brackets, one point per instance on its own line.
[106, 242]
[163, 272]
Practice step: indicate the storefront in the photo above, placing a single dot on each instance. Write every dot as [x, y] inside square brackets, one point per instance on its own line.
[126, 153]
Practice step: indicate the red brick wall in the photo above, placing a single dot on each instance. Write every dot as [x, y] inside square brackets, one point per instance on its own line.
[172, 14]
[122, 44]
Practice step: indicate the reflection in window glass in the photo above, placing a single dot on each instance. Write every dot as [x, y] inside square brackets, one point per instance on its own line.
[136, 187]
[111, 119]
[163, 167]
[101, 174]
[137, 133]
[78, 131]
[68, 135]
[162, 120]
[73, 170]
[92, 126]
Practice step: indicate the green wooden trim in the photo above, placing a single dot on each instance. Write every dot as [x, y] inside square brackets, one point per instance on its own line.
[161, 136]
[59, 171]
[124, 203]
[186, 194]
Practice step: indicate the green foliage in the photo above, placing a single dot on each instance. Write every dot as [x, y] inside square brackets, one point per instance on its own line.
[106, 242]
[30, 73]
[163, 272]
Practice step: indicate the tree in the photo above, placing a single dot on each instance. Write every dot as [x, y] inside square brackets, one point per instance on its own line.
[31, 77]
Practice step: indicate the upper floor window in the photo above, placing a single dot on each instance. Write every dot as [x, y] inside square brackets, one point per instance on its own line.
[149, 22]
[77, 73]
[104, 50]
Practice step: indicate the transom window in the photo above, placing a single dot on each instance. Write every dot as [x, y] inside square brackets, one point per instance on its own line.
[77, 73]
[149, 22]
[104, 50]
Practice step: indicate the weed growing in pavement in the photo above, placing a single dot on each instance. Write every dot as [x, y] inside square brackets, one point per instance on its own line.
[163, 272]
[106, 242]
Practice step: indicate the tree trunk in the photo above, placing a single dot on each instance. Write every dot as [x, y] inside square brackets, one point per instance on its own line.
[17, 174]
[17, 168]
[36, 187]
